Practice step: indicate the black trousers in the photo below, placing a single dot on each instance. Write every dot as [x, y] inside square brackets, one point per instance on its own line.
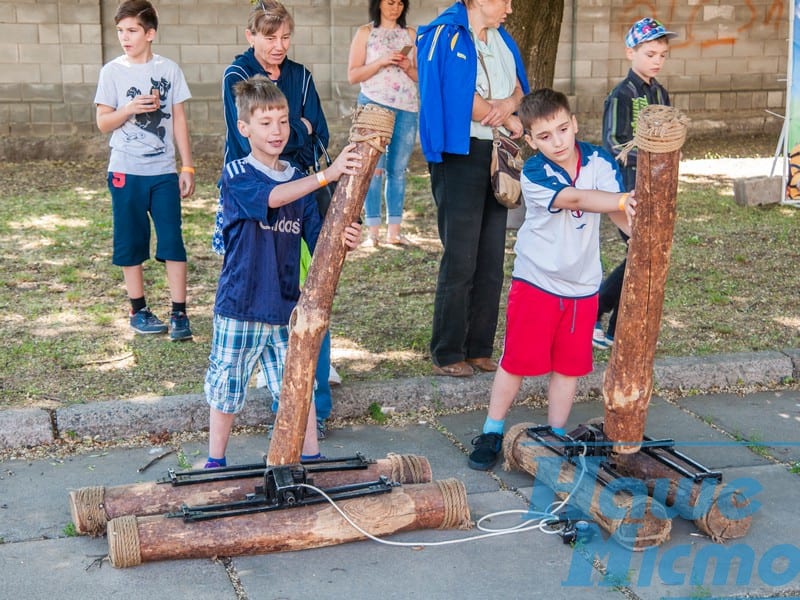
[472, 229]
[608, 298]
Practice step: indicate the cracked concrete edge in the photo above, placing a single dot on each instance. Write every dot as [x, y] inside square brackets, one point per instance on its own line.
[119, 419]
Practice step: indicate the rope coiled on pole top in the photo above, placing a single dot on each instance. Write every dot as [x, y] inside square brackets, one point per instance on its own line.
[660, 129]
[378, 120]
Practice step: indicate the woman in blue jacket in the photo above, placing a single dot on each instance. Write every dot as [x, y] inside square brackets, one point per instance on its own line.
[467, 43]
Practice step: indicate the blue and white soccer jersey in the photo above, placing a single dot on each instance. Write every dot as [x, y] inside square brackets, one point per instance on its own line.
[558, 250]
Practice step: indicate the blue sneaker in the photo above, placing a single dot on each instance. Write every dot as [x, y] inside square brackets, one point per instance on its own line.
[599, 338]
[179, 327]
[145, 322]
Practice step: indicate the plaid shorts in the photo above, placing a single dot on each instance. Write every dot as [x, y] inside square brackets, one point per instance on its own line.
[236, 347]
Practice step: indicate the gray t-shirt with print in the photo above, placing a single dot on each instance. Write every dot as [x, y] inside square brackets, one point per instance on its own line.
[144, 144]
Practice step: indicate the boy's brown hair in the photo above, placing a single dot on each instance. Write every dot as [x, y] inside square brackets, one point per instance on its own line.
[541, 104]
[257, 92]
[141, 10]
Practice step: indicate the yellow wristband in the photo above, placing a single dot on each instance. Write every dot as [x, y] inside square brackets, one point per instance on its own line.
[321, 179]
[622, 199]
[187, 170]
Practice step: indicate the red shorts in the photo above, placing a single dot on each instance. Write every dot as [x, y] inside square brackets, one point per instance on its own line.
[546, 333]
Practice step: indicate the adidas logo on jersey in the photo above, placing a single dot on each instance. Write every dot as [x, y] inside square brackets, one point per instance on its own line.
[283, 225]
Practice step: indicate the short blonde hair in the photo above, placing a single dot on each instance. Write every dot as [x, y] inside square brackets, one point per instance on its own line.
[257, 92]
[267, 16]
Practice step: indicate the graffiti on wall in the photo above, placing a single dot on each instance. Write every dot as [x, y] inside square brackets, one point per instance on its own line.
[770, 14]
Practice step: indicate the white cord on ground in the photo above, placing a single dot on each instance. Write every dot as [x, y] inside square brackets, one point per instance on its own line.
[539, 523]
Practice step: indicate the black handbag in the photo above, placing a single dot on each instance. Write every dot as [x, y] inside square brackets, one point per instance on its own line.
[323, 195]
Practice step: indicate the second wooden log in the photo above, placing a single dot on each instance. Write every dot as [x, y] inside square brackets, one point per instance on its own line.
[437, 505]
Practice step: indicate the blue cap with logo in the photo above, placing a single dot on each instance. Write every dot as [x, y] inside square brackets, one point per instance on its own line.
[647, 30]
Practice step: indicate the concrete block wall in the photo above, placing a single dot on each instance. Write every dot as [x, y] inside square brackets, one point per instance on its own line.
[727, 68]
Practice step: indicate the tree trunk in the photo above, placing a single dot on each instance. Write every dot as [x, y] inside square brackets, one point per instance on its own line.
[371, 131]
[628, 381]
[93, 507]
[536, 26]
[441, 504]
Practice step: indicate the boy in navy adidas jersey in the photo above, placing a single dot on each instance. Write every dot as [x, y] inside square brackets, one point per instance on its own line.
[552, 303]
[268, 206]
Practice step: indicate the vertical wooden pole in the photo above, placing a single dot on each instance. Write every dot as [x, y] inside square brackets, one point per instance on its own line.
[628, 383]
[371, 131]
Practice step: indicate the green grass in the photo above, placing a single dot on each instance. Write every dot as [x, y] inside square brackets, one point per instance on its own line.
[731, 287]
[376, 413]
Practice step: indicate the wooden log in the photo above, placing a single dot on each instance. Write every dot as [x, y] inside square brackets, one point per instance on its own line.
[92, 507]
[441, 504]
[628, 382]
[709, 504]
[637, 521]
[371, 132]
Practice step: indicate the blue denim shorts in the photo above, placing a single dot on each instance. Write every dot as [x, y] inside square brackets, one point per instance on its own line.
[135, 201]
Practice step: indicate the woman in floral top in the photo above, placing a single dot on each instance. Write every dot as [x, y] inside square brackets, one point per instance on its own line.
[382, 59]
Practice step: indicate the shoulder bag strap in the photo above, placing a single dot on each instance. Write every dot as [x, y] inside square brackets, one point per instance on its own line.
[488, 79]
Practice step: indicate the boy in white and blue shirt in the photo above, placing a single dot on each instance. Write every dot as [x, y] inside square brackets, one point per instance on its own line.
[552, 303]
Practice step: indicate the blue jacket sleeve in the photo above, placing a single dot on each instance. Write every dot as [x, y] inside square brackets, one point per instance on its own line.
[312, 222]
[300, 147]
[430, 68]
[236, 146]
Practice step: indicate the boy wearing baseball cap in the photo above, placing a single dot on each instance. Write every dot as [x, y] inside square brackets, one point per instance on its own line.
[646, 46]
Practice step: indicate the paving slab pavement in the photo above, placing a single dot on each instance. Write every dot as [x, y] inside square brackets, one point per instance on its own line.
[39, 560]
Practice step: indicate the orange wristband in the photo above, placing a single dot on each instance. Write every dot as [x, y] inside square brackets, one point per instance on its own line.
[622, 199]
[321, 179]
[187, 170]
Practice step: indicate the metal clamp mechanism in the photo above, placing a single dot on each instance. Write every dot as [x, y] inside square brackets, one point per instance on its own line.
[591, 440]
[284, 486]
[319, 465]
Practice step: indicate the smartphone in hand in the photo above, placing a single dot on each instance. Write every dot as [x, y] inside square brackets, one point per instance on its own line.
[405, 50]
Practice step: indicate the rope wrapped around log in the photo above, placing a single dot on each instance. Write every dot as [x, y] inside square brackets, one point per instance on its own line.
[628, 380]
[441, 504]
[660, 129]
